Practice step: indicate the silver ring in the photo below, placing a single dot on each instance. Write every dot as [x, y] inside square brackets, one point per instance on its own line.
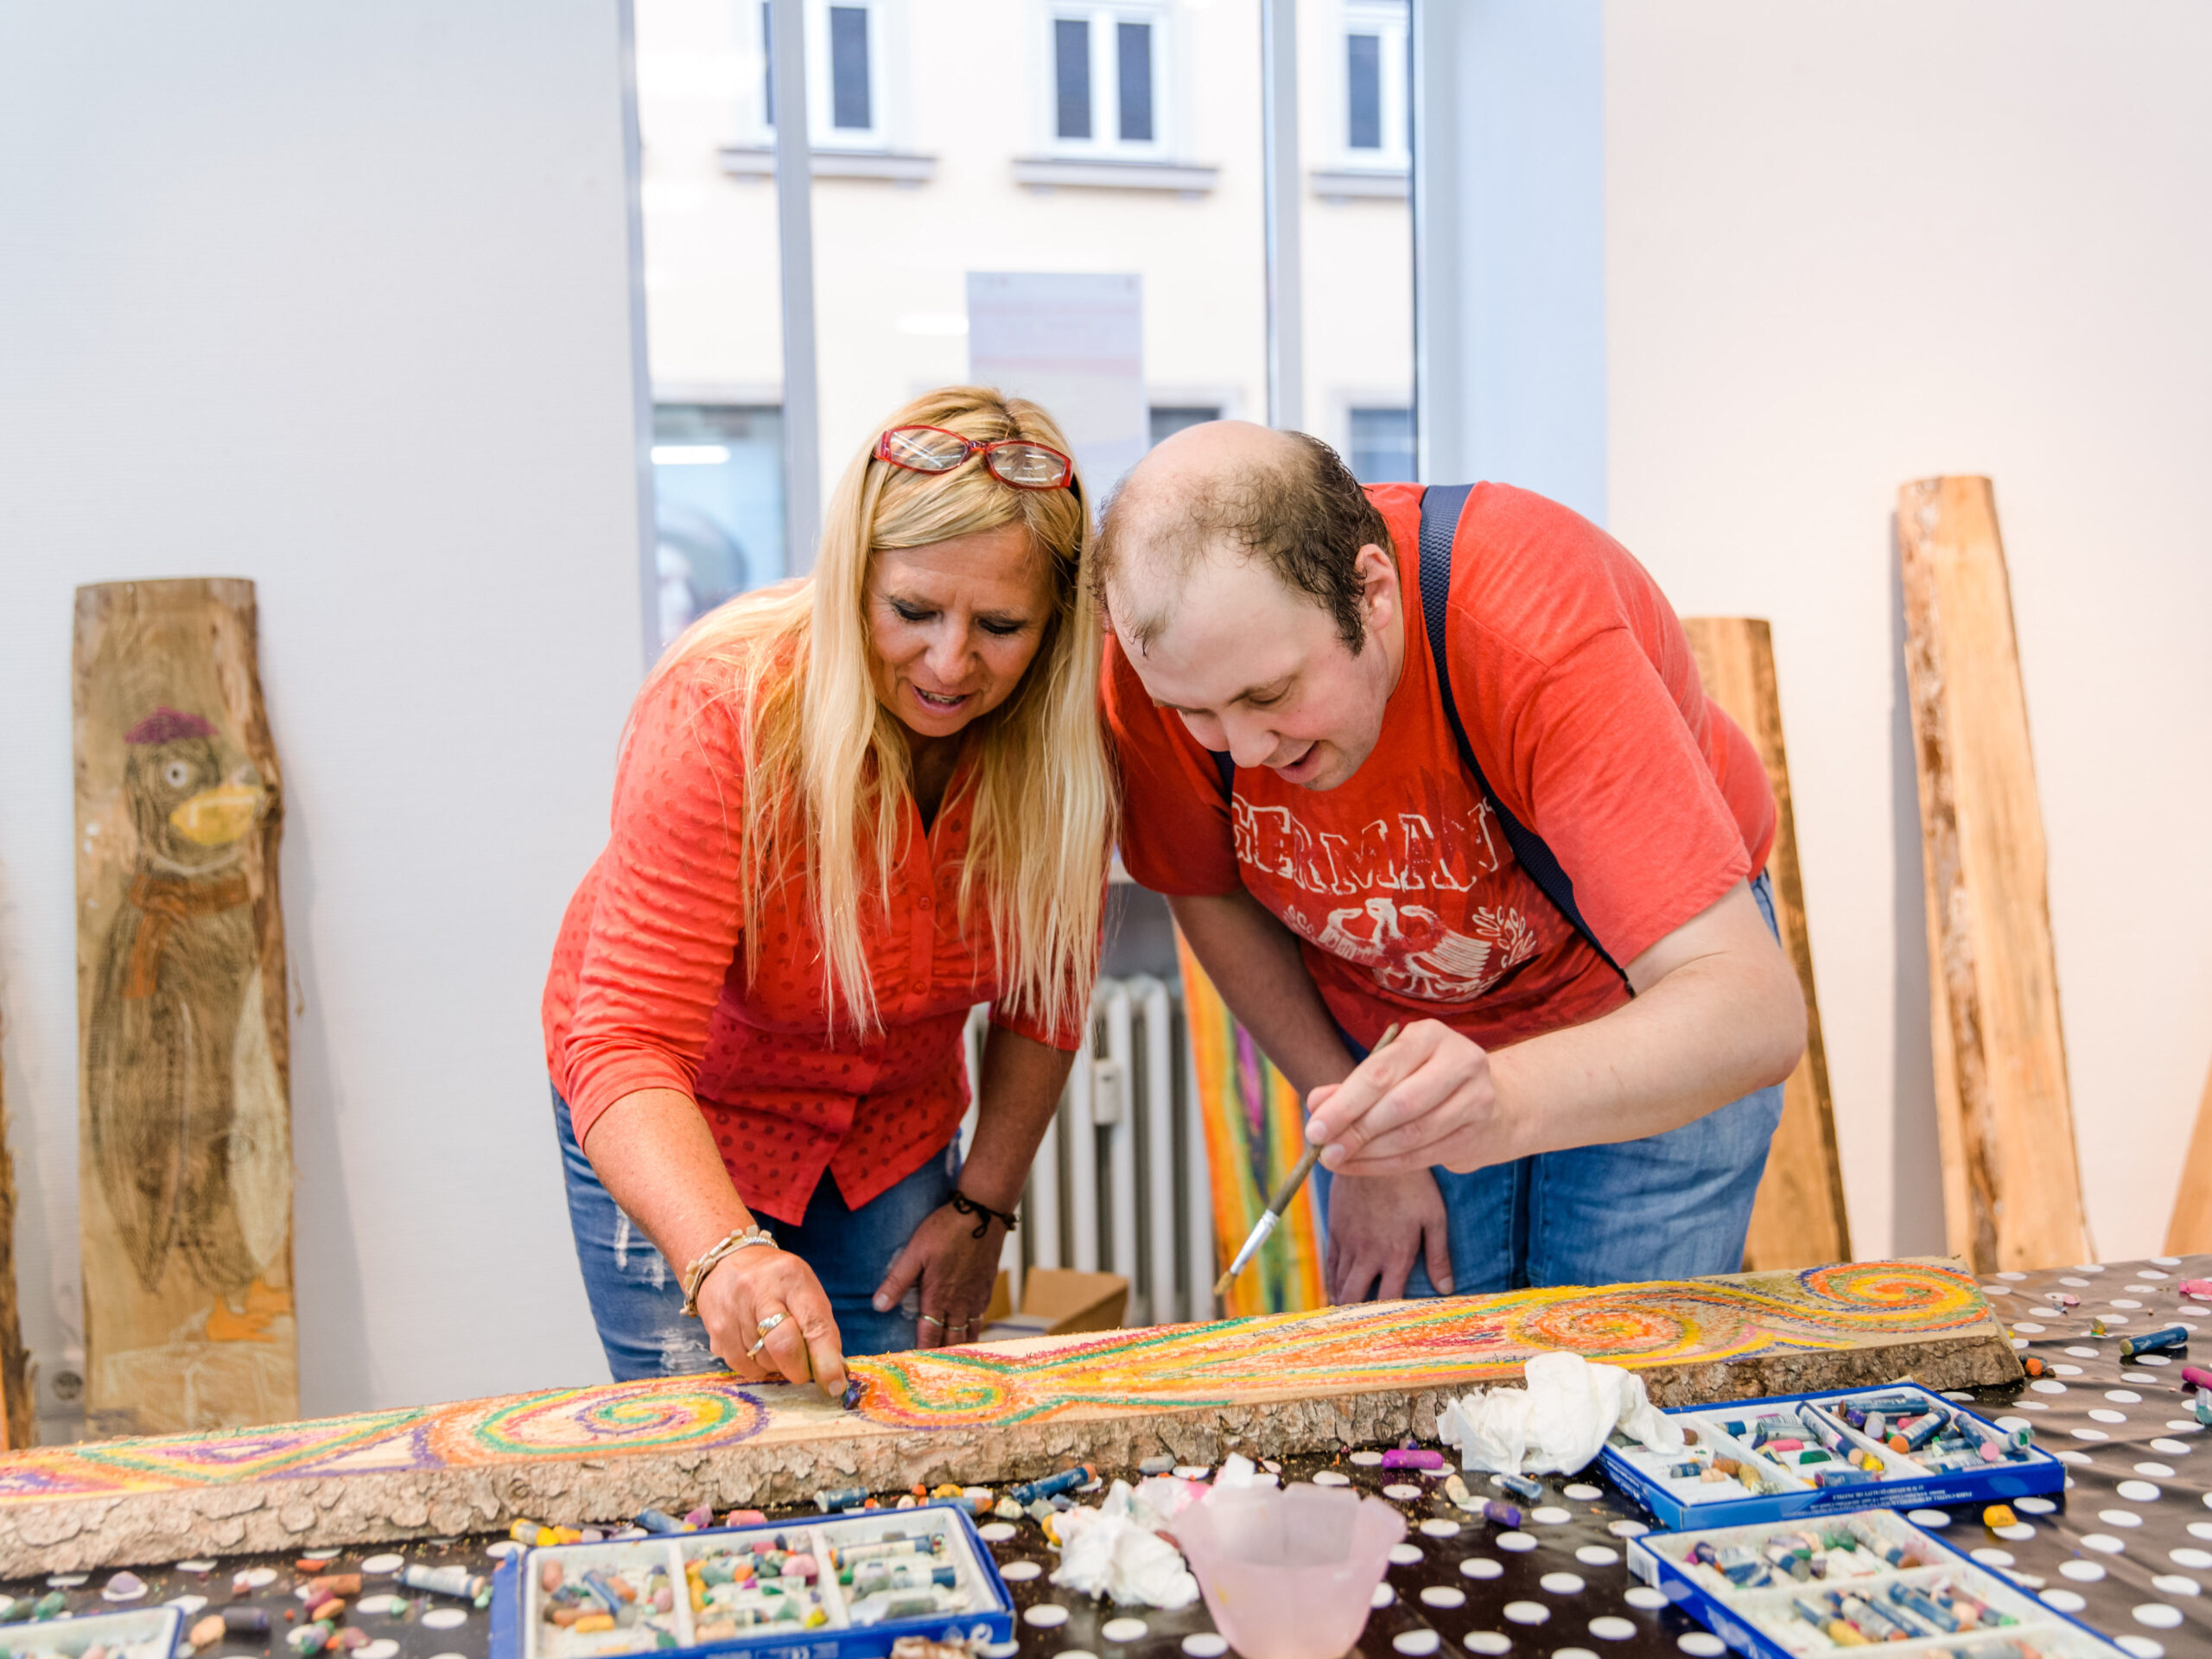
[763, 1330]
[933, 1319]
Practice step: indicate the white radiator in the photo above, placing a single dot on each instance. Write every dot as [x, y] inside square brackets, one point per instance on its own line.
[1120, 1183]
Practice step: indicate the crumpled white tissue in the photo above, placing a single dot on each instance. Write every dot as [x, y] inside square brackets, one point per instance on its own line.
[1559, 1422]
[1236, 1473]
[1117, 1550]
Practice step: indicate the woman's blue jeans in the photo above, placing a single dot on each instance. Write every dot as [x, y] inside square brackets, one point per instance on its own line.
[637, 1300]
[1675, 1205]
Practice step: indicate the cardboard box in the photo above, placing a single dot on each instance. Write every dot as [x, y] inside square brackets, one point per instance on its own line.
[1054, 1302]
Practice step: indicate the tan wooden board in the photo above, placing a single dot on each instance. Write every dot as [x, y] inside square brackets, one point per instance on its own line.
[2011, 1178]
[1798, 1219]
[185, 1151]
[2190, 1232]
[1279, 1384]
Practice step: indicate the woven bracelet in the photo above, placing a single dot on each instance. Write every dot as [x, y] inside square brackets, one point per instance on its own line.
[965, 1205]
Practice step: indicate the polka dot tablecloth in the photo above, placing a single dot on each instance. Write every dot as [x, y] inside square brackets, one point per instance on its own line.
[2127, 1549]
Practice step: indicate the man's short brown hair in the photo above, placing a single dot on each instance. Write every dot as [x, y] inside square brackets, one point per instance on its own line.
[1306, 515]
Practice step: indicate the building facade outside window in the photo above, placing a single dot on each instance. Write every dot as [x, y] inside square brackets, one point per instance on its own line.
[1377, 128]
[1382, 447]
[1107, 76]
[1168, 419]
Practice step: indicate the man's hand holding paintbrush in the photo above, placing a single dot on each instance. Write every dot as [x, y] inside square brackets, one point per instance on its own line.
[1425, 1100]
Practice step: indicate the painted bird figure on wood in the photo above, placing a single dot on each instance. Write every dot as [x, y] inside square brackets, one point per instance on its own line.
[189, 1127]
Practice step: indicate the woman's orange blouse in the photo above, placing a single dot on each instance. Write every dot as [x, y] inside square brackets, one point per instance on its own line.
[649, 989]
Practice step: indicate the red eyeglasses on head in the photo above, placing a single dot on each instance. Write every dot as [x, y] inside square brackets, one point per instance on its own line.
[1017, 462]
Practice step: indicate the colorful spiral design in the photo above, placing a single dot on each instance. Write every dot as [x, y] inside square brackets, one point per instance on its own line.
[1607, 1327]
[619, 1417]
[1937, 1298]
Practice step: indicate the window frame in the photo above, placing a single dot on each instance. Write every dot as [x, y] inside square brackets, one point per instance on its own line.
[1392, 21]
[884, 20]
[1100, 17]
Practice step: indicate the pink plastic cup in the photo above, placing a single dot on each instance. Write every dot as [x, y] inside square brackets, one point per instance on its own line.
[1289, 1573]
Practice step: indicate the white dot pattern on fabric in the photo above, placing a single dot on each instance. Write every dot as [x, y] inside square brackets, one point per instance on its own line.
[187, 1604]
[2200, 1528]
[1562, 1584]
[1443, 1595]
[1019, 1572]
[1437, 1527]
[1404, 1554]
[1490, 1641]
[1192, 1471]
[2065, 1600]
[2084, 1353]
[2034, 1505]
[1368, 1460]
[2120, 1518]
[384, 1648]
[380, 1566]
[2107, 1415]
[2090, 1434]
[2158, 1615]
[2140, 1492]
[2074, 1284]
[1596, 1555]
[1075, 1653]
[1330, 1477]
[1527, 1612]
[1929, 1517]
[1384, 1596]
[1611, 1627]
[2195, 1560]
[1644, 1598]
[503, 1548]
[1551, 1516]
[1989, 1557]
[996, 1532]
[1206, 1644]
[1125, 1630]
[1399, 1492]
[1479, 1566]
[2022, 1325]
[1701, 1644]
[2011, 1275]
[1045, 1616]
[2019, 1533]
[1416, 1643]
[2066, 1371]
[1627, 1528]
[2104, 1543]
[1572, 1653]
[2172, 1584]
[2048, 1385]
[2172, 1448]
[2081, 1571]
[1581, 1493]
[2139, 1647]
[444, 1618]
[254, 1578]
[2158, 1470]
[2124, 1301]
[1516, 1542]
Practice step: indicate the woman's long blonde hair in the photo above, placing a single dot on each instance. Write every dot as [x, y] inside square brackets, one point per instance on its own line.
[826, 762]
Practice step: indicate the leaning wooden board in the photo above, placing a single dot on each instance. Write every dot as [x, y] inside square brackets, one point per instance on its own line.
[184, 1143]
[1281, 1384]
[2190, 1230]
[1798, 1219]
[2011, 1178]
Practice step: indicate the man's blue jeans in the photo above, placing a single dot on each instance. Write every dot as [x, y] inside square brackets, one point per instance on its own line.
[637, 1300]
[1675, 1205]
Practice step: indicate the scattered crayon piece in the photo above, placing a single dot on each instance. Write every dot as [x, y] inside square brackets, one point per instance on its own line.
[2197, 1289]
[444, 1580]
[2152, 1342]
[2195, 1377]
[854, 1388]
[312, 1565]
[845, 1497]
[1502, 1515]
[1066, 1481]
[1521, 1486]
[744, 1518]
[1413, 1458]
[246, 1621]
[337, 1584]
[2031, 1366]
[329, 1608]
[658, 1521]
[207, 1631]
[1999, 1514]
[2097, 1328]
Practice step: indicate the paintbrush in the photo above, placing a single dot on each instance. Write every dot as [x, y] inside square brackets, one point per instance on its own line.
[1273, 1217]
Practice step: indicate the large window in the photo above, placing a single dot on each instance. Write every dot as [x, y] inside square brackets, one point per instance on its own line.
[1382, 447]
[1168, 419]
[718, 506]
[1106, 78]
[847, 54]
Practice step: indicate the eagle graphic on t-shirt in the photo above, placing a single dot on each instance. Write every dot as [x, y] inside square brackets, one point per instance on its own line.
[1409, 950]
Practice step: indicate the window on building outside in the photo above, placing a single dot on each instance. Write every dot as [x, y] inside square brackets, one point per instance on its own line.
[1364, 91]
[850, 101]
[1071, 76]
[1105, 64]
[1167, 419]
[1382, 445]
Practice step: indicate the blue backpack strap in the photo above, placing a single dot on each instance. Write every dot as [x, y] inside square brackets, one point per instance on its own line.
[1440, 506]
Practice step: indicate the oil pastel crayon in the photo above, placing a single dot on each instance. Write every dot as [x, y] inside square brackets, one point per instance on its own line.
[1051, 1485]
[1522, 1487]
[2152, 1342]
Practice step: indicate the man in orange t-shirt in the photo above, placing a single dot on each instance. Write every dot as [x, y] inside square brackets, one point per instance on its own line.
[1589, 1070]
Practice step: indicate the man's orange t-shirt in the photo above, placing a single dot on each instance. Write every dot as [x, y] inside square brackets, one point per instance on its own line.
[1582, 703]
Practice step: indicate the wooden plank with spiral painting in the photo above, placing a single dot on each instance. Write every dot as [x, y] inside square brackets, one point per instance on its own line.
[185, 1146]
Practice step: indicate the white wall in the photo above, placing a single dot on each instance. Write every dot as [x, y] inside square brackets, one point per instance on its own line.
[339, 299]
[1849, 244]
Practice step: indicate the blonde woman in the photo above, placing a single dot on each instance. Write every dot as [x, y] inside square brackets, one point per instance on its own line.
[847, 809]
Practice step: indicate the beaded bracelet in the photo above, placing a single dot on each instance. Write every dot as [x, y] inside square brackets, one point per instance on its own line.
[965, 1205]
[695, 1274]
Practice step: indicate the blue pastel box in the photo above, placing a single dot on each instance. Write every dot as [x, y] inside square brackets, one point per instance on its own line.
[1673, 1488]
[131, 1633]
[931, 1553]
[1912, 1598]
